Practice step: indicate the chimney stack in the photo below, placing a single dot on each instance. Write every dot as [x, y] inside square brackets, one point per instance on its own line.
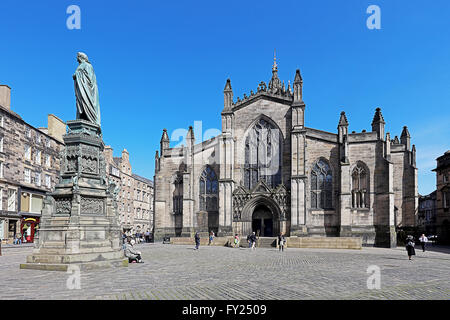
[5, 96]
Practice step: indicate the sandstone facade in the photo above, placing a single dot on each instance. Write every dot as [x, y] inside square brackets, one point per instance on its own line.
[135, 199]
[29, 167]
[268, 172]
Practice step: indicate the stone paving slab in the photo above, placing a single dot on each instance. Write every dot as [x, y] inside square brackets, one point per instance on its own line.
[177, 272]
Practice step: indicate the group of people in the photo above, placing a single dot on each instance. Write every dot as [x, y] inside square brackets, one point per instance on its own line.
[410, 243]
[138, 237]
[251, 239]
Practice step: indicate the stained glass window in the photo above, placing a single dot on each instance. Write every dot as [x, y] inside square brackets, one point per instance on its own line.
[178, 195]
[360, 192]
[209, 190]
[321, 185]
[263, 155]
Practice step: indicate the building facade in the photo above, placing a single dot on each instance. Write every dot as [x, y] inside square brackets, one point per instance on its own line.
[29, 167]
[135, 199]
[268, 172]
[426, 221]
[443, 197]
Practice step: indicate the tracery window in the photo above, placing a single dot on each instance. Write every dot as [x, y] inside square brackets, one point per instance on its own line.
[360, 192]
[321, 185]
[263, 155]
[209, 190]
[178, 195]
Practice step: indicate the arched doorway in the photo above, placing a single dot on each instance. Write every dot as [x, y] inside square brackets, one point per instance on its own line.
[262, 221]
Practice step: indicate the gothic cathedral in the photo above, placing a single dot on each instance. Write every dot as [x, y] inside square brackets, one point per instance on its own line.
[269, 173]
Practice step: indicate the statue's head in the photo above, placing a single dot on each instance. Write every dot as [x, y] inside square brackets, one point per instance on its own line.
[81, 56]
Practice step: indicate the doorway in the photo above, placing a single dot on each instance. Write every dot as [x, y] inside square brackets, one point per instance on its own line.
[262, 221]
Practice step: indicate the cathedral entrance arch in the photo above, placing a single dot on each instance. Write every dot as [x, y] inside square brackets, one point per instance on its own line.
[262, 216]
[262, 221]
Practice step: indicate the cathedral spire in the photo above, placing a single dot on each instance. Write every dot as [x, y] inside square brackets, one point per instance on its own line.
[190, 136]
[165, 142]
[227, 96]
[342, 127]
[378, 124]
[298, 87]
[405, 138]
[274, 67]
[343, 119]
[275, 82]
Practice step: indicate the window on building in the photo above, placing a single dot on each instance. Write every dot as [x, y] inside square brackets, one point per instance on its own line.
[28, 132]
[446, 199]
[38, 157]
[1, 198]
[37, 179]
[360, 183]
[27, 152]
[11, 200]
[209, 190]
[321, 185]
[27, 175]
[1, 144]
[47, 142]
[38, 138]
[1, 169]
[263, 155]
[178, 195]
[47, 161]
[1, 121]
[48, 181]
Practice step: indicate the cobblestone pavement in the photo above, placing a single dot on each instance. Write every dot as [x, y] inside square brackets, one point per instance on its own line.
[179, 272]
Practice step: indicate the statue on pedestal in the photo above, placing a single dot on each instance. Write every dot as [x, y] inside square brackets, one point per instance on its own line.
[83, 199]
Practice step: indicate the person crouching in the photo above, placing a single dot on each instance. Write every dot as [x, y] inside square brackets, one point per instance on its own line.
[131, 253]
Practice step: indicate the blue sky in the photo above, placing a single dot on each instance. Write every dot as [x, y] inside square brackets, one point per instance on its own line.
[164, 65]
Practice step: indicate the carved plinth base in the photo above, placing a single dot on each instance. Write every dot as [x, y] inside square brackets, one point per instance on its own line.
[79, 223]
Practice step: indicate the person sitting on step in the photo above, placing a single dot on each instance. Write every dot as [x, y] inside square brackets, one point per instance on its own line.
[131, 253]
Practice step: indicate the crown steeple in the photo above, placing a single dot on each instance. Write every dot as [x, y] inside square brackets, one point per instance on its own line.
[275, 85]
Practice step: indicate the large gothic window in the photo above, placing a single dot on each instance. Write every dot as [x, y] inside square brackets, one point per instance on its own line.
[263, 155]
[209, 190]
[178, 195]
[360, 192]
[321, 185]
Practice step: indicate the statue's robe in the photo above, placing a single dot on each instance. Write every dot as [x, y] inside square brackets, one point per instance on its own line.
[86, 92]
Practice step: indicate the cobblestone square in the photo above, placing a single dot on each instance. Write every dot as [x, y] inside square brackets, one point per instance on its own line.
[177, 272]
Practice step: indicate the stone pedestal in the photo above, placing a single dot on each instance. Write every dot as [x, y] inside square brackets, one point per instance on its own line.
[79, 224]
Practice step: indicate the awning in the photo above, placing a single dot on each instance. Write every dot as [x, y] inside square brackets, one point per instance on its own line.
[30, 214]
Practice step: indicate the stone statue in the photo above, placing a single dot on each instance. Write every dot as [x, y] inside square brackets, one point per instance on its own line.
[86, 91]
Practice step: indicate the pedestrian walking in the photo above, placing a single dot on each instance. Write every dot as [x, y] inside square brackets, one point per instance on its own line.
[423, 241]
[281, 241]
[197, 240]
[236, 241]
[410, 246]
[253, 240]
